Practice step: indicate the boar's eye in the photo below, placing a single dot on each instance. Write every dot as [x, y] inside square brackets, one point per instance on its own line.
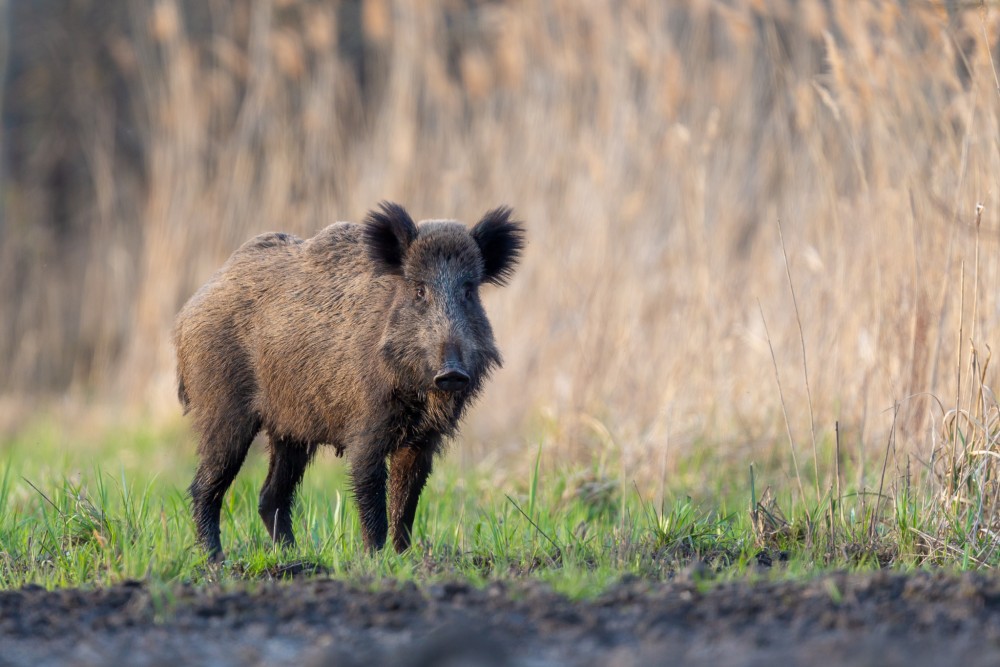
[420, 292]
[468, 290]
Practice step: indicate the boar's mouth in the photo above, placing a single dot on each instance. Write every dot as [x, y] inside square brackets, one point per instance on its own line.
[452, 378]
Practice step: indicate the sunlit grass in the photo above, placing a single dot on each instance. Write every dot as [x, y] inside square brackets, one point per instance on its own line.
[91, 511]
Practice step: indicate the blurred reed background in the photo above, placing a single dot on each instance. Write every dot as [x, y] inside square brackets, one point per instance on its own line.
[651, 148]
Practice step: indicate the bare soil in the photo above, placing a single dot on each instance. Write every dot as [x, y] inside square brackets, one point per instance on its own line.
[848, 619]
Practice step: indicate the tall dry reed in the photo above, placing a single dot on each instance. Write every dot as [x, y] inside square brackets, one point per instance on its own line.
[651, 147]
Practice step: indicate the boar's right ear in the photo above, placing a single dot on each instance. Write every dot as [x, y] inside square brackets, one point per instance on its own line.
[388, 233]
[501, 241]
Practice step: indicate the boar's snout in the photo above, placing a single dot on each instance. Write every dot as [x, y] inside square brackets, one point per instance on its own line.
[453, 375]
[451, 378]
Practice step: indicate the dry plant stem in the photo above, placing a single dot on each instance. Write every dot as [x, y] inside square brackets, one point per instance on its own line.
[975, 273]
[980, 474]
[947, 547]
[942, 313]
[943, 308]
[534, 525]
[781, 396]
[805, 367]
[832, 517]
[958, 389]
[889, 445]
[986, 42]
[975, 315]
[840, 496]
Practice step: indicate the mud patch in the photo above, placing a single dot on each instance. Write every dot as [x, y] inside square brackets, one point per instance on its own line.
[872, 619]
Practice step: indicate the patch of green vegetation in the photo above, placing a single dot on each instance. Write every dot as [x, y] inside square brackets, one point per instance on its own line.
[90, 511]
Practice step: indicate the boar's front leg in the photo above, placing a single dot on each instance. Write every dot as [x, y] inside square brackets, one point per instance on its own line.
[368, 477]
[409, 468]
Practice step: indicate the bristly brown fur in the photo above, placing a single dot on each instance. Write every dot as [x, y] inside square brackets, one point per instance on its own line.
[351, 339]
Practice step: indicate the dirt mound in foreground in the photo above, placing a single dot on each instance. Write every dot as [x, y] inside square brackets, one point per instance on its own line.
[872, 619]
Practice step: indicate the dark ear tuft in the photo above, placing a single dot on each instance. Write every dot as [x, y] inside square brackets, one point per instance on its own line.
[501, 241]
[389, 231]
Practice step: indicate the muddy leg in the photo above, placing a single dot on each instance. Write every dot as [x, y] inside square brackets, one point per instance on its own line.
[409, 468]
[368, 477]
[288, 463]
[224, 447]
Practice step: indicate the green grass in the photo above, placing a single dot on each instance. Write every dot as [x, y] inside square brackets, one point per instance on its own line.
[80, 510]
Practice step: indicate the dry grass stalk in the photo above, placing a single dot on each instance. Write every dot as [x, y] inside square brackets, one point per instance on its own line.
[647, 167]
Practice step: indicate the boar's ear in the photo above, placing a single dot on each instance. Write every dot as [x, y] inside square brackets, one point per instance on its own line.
[389, 231]
[501, 241]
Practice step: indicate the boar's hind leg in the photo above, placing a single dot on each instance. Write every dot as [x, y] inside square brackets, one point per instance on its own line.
[224, 447]
[409, 468]
[288, 463]
[368, 477]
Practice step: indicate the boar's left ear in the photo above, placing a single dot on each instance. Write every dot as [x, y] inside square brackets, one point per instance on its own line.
[501, 241]
[389, 232]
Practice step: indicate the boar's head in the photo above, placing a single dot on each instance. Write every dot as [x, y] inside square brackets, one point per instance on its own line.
[437, 336]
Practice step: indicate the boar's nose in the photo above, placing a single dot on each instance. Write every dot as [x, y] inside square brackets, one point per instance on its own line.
[451, 379]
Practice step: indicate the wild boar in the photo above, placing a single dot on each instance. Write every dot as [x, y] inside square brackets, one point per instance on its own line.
[369, 338]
